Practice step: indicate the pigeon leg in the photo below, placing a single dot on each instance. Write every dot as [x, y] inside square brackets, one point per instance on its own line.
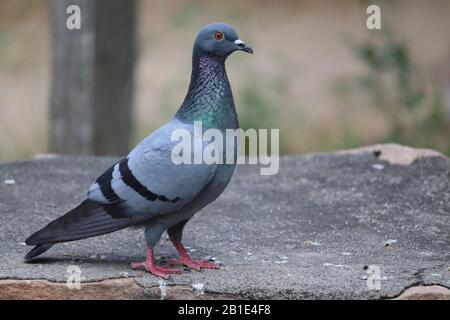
[187, 261]
[150, 266]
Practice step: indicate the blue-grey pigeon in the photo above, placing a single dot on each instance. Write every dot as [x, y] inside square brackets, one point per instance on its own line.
[147, 188]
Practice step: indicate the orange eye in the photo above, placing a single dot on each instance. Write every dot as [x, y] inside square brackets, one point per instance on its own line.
[218, 36]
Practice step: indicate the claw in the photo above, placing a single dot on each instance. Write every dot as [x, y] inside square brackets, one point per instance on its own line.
[187, 261]
[149, 266]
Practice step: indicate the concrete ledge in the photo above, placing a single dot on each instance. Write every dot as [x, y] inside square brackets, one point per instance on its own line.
[108, 289]
[313, 231]
[432, 292]
[395, 153]
[115, 289]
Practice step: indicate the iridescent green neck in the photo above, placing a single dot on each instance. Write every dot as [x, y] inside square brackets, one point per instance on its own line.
[209, 98]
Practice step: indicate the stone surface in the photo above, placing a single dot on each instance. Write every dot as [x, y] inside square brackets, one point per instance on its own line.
[314, 230]
[394, 153]
[116, 289]
[425, 293]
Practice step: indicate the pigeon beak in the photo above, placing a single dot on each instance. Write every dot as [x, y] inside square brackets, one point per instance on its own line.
[241, 45]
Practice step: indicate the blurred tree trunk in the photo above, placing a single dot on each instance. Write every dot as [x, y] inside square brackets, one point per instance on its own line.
[92, 78]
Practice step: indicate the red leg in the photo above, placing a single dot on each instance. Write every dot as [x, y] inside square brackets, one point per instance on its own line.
[150, 266]
[187, 261]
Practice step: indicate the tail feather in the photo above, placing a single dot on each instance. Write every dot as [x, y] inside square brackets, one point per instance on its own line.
[89, 219]
[37, 251]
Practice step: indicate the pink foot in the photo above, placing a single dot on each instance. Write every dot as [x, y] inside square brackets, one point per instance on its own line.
[149, 266]
[193, 264]
[187, 261]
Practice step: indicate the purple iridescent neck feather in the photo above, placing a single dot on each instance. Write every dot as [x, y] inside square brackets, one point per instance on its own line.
[209, 98]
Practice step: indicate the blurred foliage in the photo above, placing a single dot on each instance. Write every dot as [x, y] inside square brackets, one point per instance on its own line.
[186, 14]
[415, 113]
[256, 108]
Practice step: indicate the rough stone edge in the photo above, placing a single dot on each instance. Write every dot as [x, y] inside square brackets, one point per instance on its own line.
[390, 152]
[394, 153]
[127, 289]
[108, 289]
[422, 292]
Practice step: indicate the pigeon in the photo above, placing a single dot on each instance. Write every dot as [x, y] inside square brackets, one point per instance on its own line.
[147, 188]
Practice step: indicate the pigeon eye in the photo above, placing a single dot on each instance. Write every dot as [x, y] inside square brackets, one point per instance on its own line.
[218, 36]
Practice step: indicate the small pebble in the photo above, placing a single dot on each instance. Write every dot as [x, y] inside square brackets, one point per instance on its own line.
[312, 243]
[378, 166]
[327, 264]
[10, 181]
[389, 242]
[198, 288]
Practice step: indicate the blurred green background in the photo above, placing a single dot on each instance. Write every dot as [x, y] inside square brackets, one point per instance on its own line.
[318, 73]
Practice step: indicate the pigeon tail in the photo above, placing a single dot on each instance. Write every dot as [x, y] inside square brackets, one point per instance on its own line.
[89, 219]
[37, 251]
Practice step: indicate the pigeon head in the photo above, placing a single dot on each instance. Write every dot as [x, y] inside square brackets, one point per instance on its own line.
[219, 39]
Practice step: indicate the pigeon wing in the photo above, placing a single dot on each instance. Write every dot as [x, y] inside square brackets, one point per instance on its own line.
[148, 182]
